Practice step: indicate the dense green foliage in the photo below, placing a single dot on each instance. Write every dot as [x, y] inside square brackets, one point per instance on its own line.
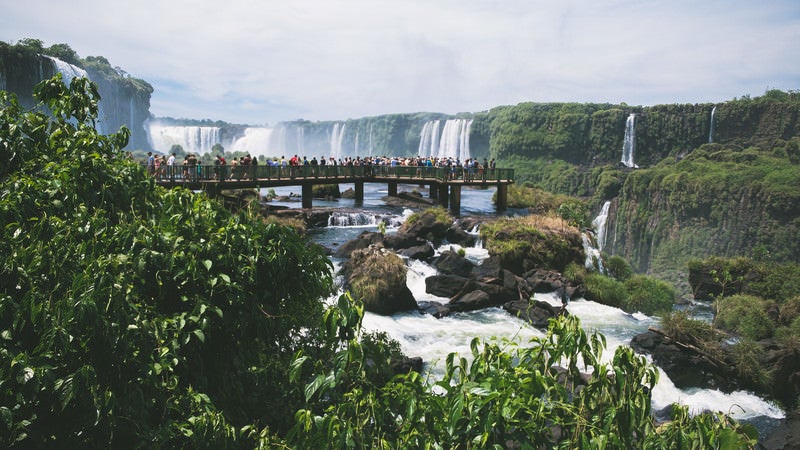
[633, 293]
[133, 315]
[744, 315]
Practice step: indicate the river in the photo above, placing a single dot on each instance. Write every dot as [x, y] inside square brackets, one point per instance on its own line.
[433, 339]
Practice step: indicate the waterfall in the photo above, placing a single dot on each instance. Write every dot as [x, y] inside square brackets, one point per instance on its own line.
[256, 142]
[711, 125]
[301, 140]
[337, 136]
[599, 224]
[67, 70]
[594, 240]
[192, 139]
[629, 145]
[429, 139]
[454, 141]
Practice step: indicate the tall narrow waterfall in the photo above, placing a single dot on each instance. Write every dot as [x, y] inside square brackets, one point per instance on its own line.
[599, 224]
[629, 144]
[594, 240]
[711, 125]
[337, 137]
[429, 139]
[454, 141]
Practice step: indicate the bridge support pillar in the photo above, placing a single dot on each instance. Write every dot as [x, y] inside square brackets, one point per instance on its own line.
[502, 196]
[444, 195]
[455, 200]
[392, 189]
[308, 194]
[359, 187]
[433, 190]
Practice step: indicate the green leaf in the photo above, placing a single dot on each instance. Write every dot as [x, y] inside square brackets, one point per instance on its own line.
[207, 264]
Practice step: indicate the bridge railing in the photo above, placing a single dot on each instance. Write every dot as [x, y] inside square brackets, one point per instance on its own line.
[200, 173]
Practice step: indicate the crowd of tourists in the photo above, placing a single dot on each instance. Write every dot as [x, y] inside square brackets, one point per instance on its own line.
[245, 167]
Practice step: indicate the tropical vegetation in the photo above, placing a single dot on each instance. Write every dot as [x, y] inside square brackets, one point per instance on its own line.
[135, 316]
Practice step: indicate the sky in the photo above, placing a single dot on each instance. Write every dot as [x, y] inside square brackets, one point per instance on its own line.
[259, 62]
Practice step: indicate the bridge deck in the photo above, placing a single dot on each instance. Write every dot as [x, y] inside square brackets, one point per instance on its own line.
[230, 177]
[445, 183]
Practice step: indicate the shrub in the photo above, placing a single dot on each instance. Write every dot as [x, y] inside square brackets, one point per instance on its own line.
[744, 315]
[648, 295]
[618, 267]
[605, 290]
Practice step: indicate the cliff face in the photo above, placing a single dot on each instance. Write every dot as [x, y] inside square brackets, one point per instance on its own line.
[123, 101]
[738, 195]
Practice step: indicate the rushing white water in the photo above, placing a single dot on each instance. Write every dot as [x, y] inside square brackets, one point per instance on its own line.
[453, 143]
[433, 339]
[629, 144]
[599, 224]
[711, 125]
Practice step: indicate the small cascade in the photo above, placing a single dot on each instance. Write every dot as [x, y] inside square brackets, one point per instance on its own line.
[600, 226]
[353, 219]
[453, 143]
[711, 125]
[594, 260]
[337, 137]
[629, 144]
[364, 219]
[594, 240]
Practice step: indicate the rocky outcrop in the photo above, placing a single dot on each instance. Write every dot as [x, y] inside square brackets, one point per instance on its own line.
[690, 364]
[378, 278]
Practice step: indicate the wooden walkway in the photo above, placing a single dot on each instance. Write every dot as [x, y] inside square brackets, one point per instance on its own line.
[444, 183]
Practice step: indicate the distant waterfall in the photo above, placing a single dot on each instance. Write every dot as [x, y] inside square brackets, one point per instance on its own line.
[337, 137]
[711, 126]
[453, 143]
[192, 139]
[629, 144]
[256, 142]
[429, 139]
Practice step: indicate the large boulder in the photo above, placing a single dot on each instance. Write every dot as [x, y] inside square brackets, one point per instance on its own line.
[378, 277]
[400, 240]
[471, 301]
[430, 225]
[535, 312]
[453, 263]
[422, 252]
[685, 365]
[364, 240]
[444, 285]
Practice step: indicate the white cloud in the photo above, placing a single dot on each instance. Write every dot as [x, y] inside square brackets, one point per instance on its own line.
[256, 62]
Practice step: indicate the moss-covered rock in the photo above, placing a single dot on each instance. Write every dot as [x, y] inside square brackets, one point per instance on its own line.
[531, 242]
[378, 277]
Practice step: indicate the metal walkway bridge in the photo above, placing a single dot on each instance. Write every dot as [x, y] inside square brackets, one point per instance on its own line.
[444, 182]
